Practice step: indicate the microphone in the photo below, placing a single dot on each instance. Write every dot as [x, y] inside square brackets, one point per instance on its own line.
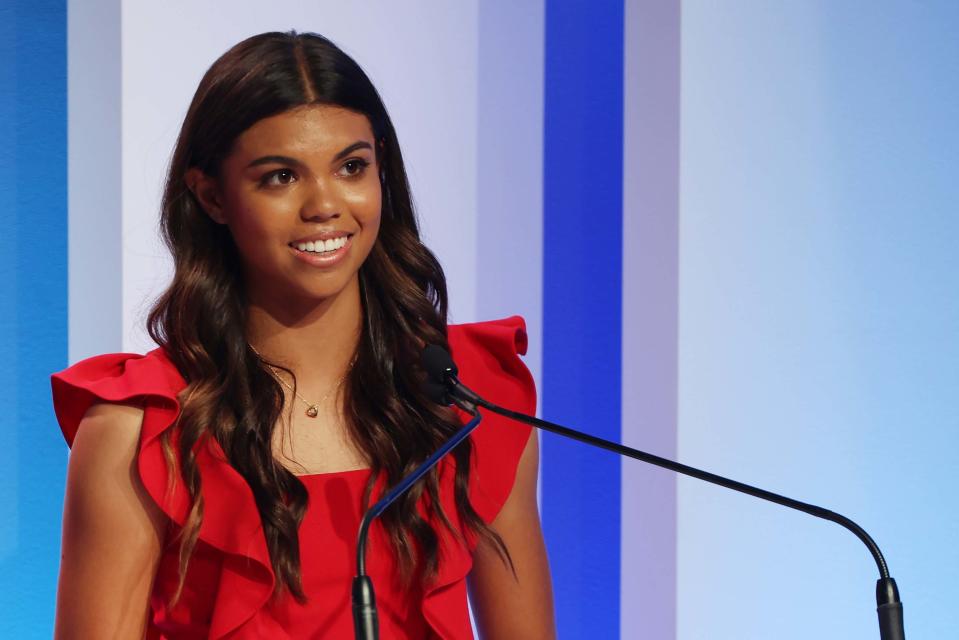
[443, 371]
[362, 595]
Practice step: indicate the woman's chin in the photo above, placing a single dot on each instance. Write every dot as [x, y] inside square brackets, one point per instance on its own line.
[297, 298]
[325, 293]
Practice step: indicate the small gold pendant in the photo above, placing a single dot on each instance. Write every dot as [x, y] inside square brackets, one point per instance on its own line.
[312, 411]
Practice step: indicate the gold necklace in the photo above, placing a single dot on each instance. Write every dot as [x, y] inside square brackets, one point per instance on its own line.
[312, 409]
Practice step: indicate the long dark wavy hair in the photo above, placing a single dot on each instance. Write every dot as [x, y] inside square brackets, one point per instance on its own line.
[200, 320]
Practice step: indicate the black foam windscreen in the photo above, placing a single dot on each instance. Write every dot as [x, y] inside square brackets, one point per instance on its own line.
[436, 392]
[438, 364]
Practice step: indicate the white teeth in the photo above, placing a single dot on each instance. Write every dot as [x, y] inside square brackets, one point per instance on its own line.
[322, 246]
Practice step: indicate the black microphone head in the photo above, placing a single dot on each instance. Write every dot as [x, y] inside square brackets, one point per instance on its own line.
[436, 392]
[438, 364]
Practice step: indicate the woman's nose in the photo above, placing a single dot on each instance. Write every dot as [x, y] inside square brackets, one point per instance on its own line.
[321, 203]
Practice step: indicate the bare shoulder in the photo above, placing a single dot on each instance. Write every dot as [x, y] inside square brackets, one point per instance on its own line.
[104, 586]
[102, 470]
[520, 604]
[103, 454]
[105, 447]
[113, 419]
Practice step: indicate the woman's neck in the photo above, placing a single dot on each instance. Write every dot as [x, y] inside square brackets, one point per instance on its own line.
[316, 340]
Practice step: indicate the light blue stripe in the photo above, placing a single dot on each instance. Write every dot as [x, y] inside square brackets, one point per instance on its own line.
[820, 304]
[582, 309]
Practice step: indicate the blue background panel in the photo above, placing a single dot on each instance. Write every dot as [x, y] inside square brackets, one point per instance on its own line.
[33, 307]
[582, 307]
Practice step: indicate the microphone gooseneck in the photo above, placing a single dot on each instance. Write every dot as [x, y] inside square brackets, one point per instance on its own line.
[363, 597]
[443, 371]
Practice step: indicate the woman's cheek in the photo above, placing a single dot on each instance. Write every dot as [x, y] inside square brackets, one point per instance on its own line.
[363, 201]
[256, 241]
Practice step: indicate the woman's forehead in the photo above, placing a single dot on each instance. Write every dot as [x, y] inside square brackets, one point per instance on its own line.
[311, 129]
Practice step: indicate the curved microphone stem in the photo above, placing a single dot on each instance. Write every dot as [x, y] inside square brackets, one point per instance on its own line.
[365, 622]
[889, 606]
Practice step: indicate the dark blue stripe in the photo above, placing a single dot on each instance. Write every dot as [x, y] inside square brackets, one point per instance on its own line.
[33, 307]
[582, 303]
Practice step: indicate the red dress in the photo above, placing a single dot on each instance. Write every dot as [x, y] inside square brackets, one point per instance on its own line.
[229, 580]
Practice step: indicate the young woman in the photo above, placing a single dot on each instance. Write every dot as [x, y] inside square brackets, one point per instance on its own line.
[216, 484]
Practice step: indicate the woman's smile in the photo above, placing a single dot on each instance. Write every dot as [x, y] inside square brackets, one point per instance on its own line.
[327, 250]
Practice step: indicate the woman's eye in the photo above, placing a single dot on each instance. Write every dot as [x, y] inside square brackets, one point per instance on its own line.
[283, 176]
[354, 167]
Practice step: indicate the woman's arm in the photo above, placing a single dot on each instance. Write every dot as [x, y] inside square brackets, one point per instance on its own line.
[506, 607]
[112, 531]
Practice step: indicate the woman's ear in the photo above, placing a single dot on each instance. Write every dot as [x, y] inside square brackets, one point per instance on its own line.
[207, 193]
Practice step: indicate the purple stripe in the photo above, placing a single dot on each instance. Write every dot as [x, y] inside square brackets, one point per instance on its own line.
[650, 313]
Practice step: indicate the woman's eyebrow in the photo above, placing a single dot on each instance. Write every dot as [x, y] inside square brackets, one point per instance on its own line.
[360, 144]
[296, 163]
[275, 160]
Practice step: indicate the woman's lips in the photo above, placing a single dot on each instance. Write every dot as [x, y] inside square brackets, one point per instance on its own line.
[326, 258]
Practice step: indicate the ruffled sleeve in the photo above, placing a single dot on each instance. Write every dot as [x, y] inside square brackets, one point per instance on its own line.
[111, 377]
[124, 377]
[487, 355]
[231, 522]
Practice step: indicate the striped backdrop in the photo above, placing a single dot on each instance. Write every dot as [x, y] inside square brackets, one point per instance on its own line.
[731, 228]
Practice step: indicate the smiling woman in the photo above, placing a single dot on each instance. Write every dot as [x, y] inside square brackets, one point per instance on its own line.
[304, 169]
[236, 458]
